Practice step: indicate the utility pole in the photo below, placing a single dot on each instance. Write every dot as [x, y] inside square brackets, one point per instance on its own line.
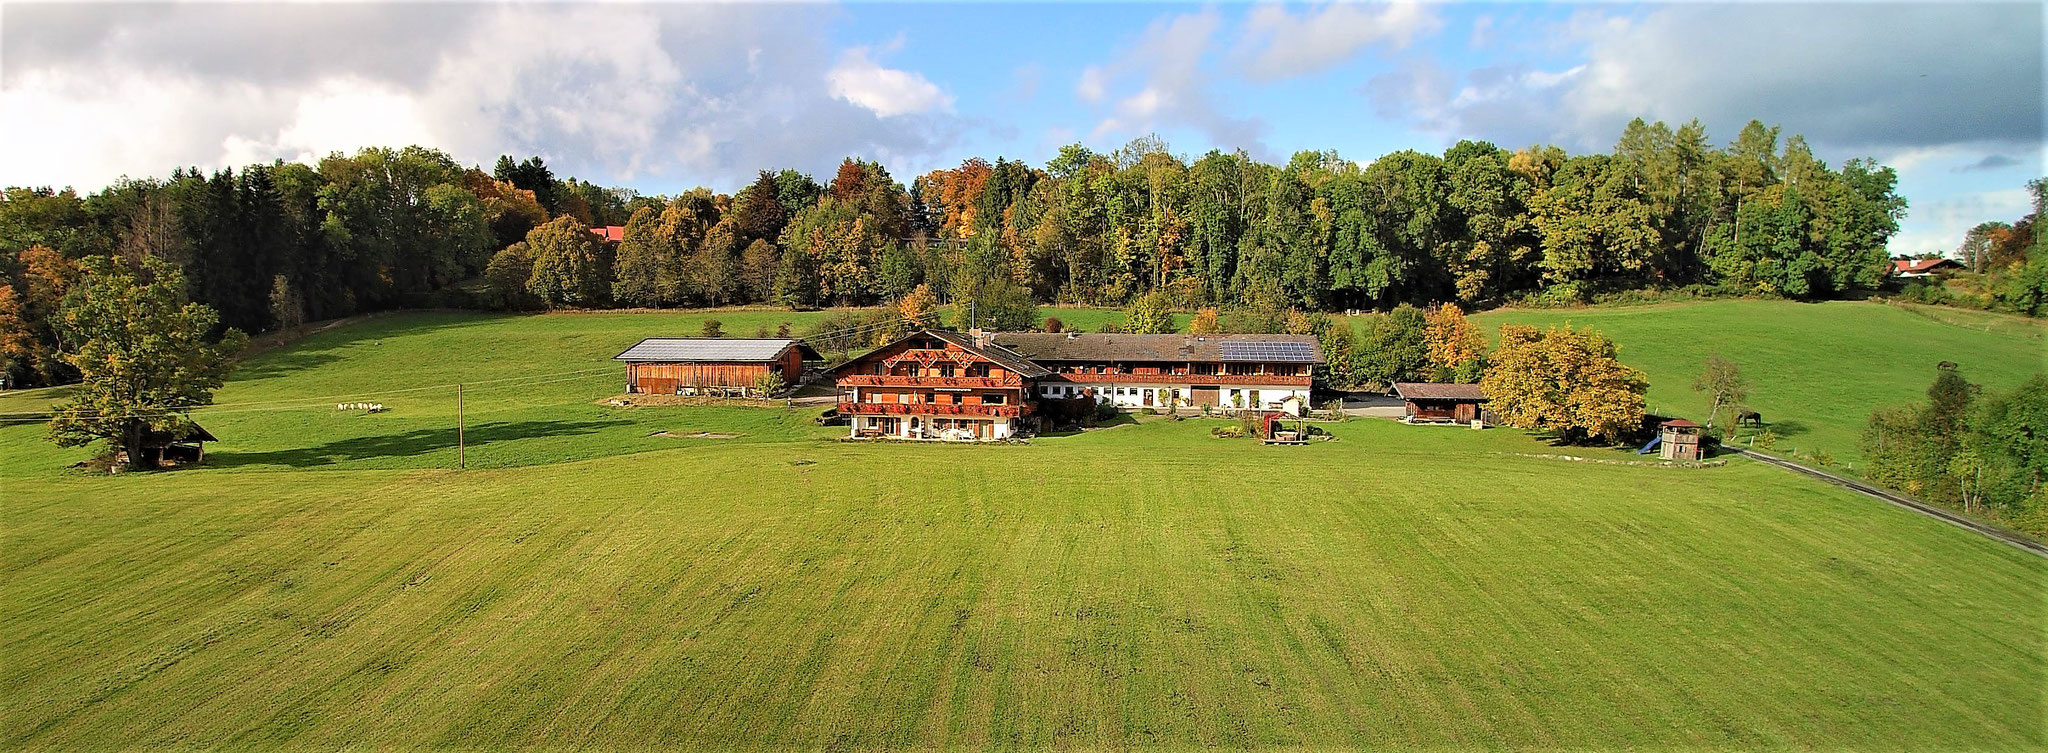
[461, 459]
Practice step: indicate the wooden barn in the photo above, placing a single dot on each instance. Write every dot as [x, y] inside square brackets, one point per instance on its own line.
[1430, 402]
[712, 365]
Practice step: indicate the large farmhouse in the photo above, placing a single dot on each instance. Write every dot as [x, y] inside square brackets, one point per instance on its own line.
[712, 365]
[1224, 372]
[934, 384]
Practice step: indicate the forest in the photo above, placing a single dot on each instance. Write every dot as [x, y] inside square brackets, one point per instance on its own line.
[272, 246]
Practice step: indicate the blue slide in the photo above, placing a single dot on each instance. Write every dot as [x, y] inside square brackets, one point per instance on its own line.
[1651, 446]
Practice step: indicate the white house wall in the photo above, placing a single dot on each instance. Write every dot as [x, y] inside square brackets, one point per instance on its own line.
[1133, 396]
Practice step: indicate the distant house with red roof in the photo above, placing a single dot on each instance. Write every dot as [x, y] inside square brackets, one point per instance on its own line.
[611, 233]
[1924, 267]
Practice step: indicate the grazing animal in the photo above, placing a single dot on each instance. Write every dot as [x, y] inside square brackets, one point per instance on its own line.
[1749, 418]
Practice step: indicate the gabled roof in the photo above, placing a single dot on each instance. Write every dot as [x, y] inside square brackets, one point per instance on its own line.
[1438, 391]
[1069, 346]
[613, 233]
[196, 434]
[994, 353]
[713, 349]
[1915, 266]
[1680, 423]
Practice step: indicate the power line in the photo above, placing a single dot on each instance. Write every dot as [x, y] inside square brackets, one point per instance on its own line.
[211, 409]
[352, 395]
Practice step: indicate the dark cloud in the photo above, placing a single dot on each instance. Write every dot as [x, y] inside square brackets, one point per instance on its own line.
[1859, 78]
[1989, 162]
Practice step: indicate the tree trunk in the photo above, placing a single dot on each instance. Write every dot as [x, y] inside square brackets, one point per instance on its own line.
[131, 442]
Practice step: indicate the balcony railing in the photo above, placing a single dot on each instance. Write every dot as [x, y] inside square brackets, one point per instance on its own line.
[1252, 379]
[933, 409]
[889, 380]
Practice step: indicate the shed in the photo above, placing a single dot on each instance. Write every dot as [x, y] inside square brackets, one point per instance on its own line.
[1679, 440]
[713, 365]
[1429, 402]
[169, 448]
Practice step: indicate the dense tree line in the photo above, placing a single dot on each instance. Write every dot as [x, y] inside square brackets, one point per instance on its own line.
[1986, 453]
[272, 245]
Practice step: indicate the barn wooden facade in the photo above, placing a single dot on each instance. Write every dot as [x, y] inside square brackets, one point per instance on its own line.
[937, 385]
[712, 365]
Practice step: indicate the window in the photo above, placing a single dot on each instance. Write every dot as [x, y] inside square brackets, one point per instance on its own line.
[945, 369]
[992, 399]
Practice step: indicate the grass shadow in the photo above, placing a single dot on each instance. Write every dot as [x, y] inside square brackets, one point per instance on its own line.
[282, 363]
[1784, 428]
[313, 350]
[407, 444]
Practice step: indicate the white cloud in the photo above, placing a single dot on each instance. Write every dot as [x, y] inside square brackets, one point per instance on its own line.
[887, 91]
[334, 115]
[1164, 70]
[682, 93]
[1279, 44]
[1939, 226]
[1093, 86]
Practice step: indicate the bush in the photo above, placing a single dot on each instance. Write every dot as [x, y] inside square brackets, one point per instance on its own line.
[1228, 432]
[767, 385]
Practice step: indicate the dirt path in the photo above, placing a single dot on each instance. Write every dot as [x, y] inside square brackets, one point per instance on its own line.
[1906, 502]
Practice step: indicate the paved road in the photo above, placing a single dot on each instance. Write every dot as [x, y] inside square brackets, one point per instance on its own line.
[1904, 501]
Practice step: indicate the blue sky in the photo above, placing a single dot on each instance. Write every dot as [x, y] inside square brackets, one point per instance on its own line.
[662, 97]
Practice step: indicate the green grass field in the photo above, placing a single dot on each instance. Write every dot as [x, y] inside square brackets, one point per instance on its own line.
[1816, 370]
[327, 580]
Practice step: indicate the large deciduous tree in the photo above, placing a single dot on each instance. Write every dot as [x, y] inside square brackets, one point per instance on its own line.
[1563, 381]
[1395, 348]
[143, 355]
[571, 267]
[1456, 348]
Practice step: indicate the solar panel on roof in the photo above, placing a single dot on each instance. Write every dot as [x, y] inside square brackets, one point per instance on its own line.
[1234, 350]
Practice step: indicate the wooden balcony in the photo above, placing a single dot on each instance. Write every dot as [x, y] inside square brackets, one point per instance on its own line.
[934, 409]
[1258, 380]
[886, 380]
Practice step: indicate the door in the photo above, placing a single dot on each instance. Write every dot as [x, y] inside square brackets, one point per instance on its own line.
[1206, 396]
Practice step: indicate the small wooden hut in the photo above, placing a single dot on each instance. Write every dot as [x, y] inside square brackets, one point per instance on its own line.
[1679, 439]
[1433, 402]
[712, 365]
[167, 449]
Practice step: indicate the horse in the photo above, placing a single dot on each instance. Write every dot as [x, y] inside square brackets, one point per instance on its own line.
[1749, 418]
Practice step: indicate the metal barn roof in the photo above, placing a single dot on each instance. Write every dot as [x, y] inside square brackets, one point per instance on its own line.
[1438, 391]
[729, 349]
[1068, 346]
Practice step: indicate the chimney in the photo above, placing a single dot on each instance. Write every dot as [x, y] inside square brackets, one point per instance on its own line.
[980, 337]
